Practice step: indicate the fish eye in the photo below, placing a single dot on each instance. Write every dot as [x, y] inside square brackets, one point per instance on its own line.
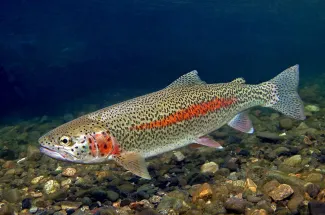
[65, 140]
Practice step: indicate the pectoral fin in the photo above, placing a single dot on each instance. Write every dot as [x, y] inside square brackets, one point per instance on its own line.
[133, 162]
[206, 141]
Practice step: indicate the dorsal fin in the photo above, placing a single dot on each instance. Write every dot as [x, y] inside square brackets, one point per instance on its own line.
[238, 81]
[188, 79]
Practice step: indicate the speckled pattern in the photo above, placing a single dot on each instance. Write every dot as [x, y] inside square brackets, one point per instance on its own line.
[175, 116]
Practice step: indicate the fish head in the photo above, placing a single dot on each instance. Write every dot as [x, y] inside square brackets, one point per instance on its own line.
[80, 141]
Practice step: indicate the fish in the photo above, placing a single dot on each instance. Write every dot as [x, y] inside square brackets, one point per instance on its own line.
[183, 113]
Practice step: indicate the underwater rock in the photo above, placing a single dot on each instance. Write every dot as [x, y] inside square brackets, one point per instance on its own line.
[236, 205]
[292, 164]
[126, 188]
[65, 205]
[294, 202]
[172, 204]
[316, 208]
[12, 195]
[312, 189]
[204, 191]
[312, 108]
[255, 212]
[51, 186]
[5, 208]
[251, 185]
[37, 179]
[269, 135]
[33, 209]
[112, 196]
[314, 177]
[69, 172]
[179, 156]
[271, 185]
[210, 167]
[281, 192]
[321, 196]
[232, 164]
[286, 123]
[86, 201]
[26, 203]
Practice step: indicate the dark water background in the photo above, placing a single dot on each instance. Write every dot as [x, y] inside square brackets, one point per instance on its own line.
[52, 52]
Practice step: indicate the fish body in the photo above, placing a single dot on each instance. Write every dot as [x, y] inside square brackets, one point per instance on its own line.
[178, 115]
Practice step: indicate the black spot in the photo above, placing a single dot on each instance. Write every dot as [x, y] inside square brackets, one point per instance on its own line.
[76, 147]
[78, 153]
[72, 149]
[65, 140]
[105, 146]
[89, 153]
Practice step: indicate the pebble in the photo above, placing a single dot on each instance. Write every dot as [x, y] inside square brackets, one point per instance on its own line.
[255, 212]
[314, 177]
[69, 172]
[312, 189]
[281, 192]
[269, 135]
[168, 204]
[316, 208]
[33, 210]
[210, 167]
[112, 196]
[235, 205]
[203, 192]
[294, 202]
[179, 156]
[86, 201]
[293, 161]
[37, 179]
[51, 186]
[26, 203]
[5, 209]
[251, 185]
[321, 196]
[66, 182]
[12, 195]
[286, 123]
[65, 205]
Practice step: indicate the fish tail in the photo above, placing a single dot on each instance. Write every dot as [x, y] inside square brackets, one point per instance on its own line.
[283, 95]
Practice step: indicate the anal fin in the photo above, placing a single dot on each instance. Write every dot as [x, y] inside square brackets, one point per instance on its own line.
[206, 141]
[133, 162]
[241, 122]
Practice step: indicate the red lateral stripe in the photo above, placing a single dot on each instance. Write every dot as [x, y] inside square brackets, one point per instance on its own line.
[195, 110]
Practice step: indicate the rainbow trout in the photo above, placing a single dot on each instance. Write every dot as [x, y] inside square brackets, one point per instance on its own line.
[184, 112]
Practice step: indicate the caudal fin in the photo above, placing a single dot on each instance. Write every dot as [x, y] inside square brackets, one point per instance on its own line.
[284, 95]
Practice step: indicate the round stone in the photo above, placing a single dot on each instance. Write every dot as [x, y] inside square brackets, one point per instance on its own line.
[69, 172]
[51, 186]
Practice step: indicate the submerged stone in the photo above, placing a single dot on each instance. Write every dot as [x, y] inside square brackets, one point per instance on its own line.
[210, 167]
[281, 192]
[235, 205]
[51, 186]
[12, 195]
[169, 203]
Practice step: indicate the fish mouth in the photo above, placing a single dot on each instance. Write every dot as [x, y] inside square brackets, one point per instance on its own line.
[54, 154]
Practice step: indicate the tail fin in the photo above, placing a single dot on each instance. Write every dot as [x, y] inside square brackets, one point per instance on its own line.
[285, 98]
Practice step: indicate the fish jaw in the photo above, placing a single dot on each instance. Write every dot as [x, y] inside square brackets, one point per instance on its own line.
[62, 156]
